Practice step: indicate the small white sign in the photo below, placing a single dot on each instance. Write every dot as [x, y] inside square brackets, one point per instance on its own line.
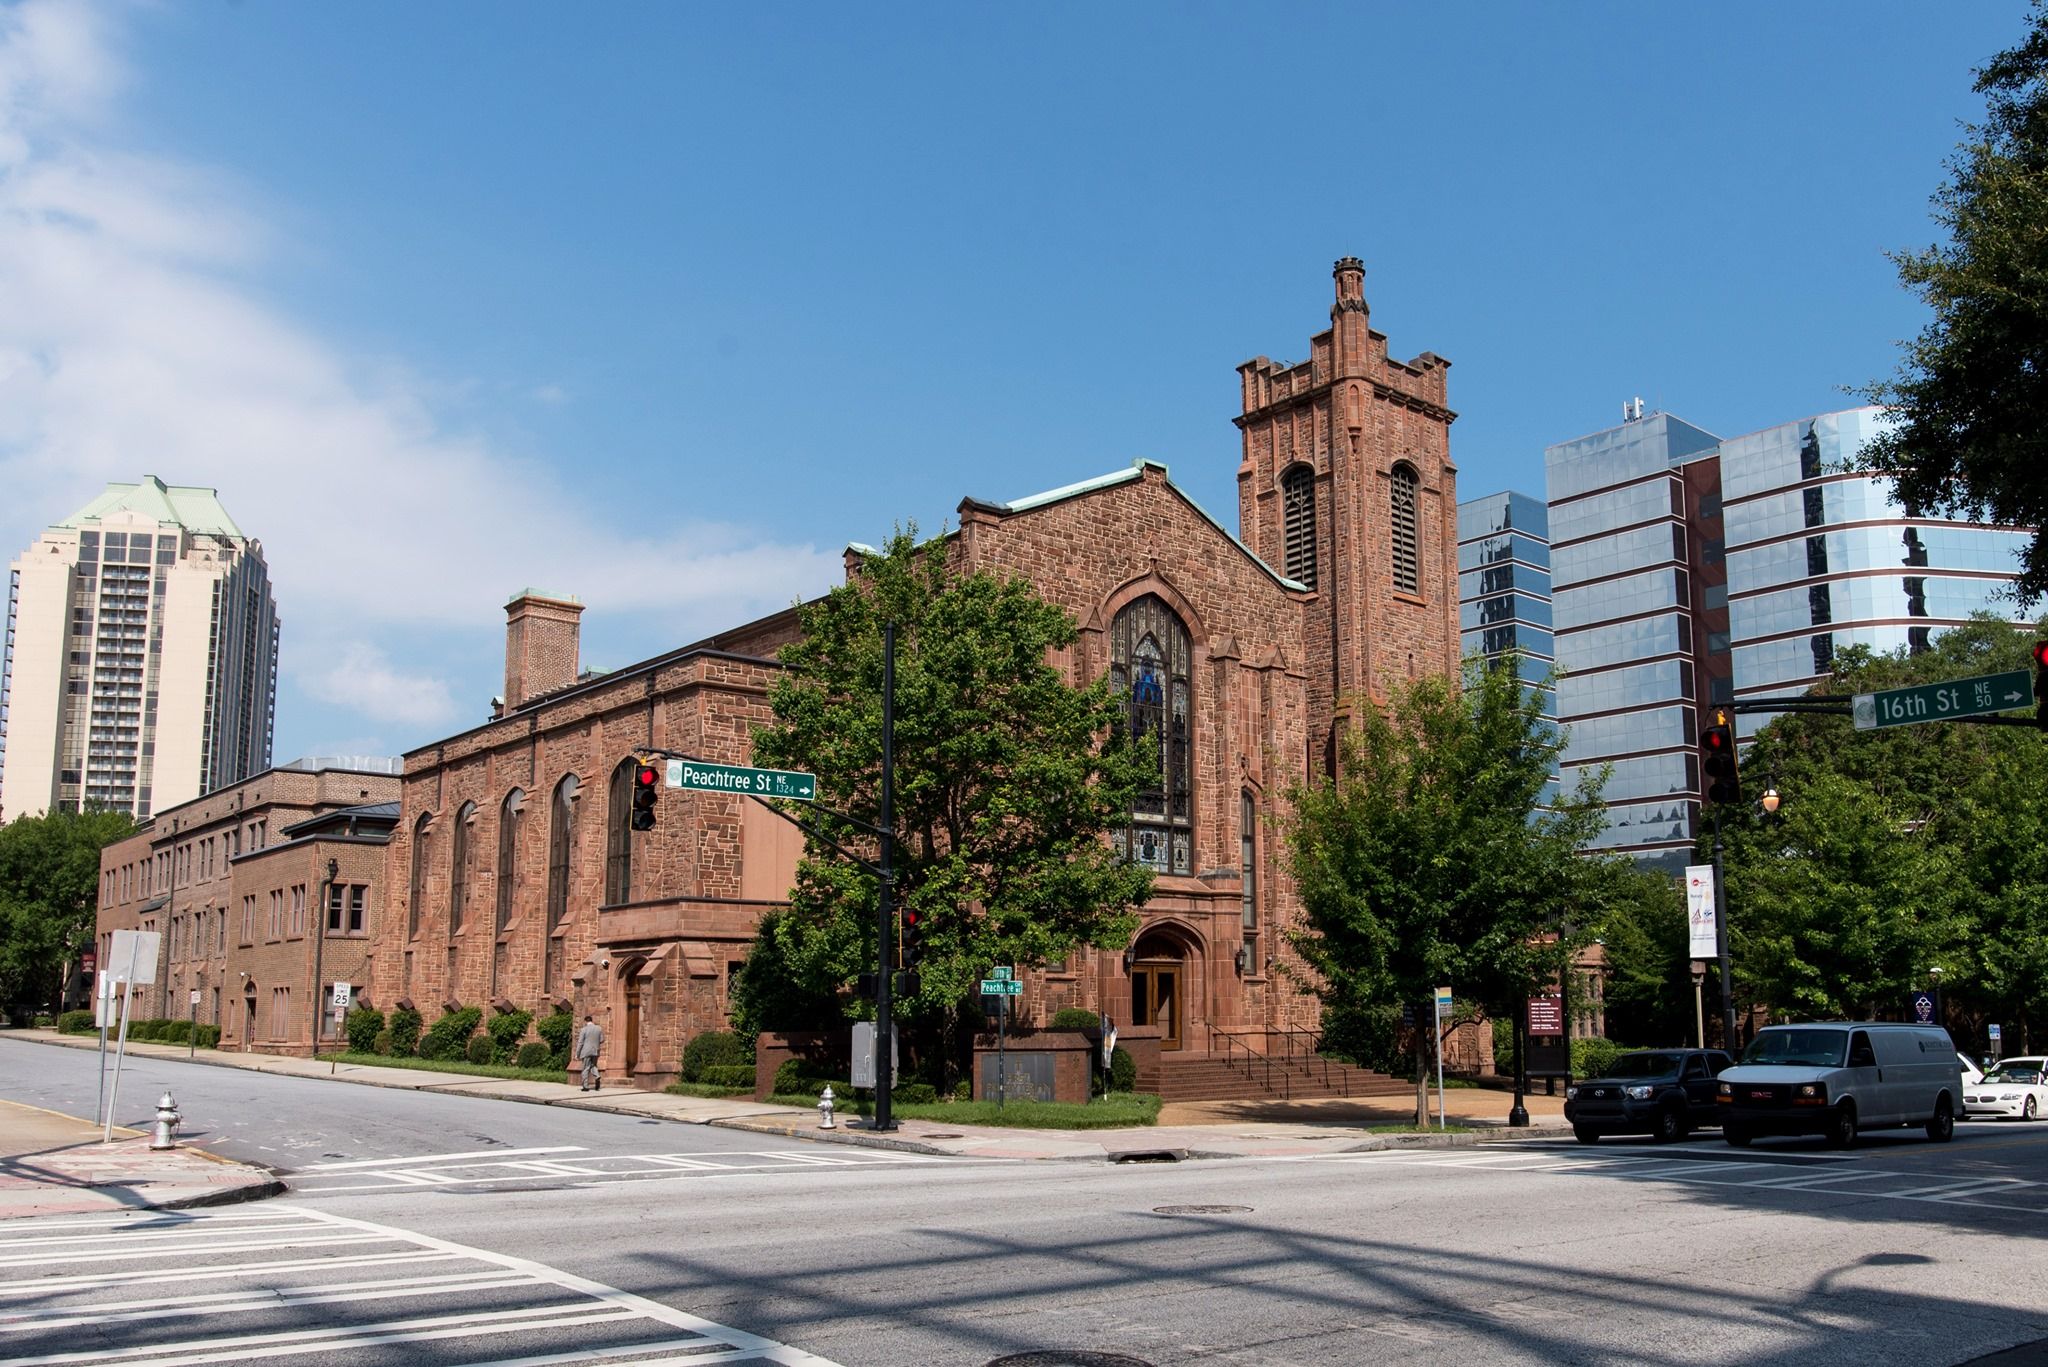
[195, 996]
[342, 993]
[132, 956]
[1699, 909]
[106, 1005]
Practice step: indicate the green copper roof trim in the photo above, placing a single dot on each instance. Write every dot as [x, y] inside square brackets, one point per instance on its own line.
[194, 509]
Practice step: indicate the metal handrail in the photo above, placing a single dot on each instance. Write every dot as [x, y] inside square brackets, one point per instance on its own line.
[1251, 1056]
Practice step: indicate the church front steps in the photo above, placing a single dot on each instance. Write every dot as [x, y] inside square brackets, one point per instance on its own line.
[1216, 1078]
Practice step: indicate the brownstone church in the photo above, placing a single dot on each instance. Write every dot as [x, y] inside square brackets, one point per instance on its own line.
[514, 879]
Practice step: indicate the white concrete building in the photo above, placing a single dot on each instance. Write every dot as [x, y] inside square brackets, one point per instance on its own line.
[142, 656]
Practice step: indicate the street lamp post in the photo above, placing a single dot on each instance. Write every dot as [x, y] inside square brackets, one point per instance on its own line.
[1699, 1003]
[1934, 976]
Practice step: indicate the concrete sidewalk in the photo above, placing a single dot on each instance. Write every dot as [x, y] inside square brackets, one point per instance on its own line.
[1210, 1129]
[52, 1164]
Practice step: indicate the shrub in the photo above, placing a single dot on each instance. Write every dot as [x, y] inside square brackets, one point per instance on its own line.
[146, 1030]
[558, 1029]
[42, 1022]
[1075, 1018]
[480, 1049]
[963, 1090]
[447, 1037]
[506, 1029]
[380, 1045]
[712, 1049]
[75, 1023]
[915, 1093]
[206, 1036]
[178, 1032]
[726, 1075]
[1593, 1057]
[1123, 1071]
[792, 1080]
[362, 1026]
[535, 1054]
[405, 1032]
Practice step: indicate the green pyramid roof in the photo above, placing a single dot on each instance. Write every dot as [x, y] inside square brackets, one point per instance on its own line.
[196, 510]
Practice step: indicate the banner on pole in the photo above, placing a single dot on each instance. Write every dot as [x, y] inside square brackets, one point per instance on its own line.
[1699, 909]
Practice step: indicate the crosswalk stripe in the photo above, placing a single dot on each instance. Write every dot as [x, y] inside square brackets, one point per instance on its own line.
[231, 1302]
[94, 1281]
[440, 1157]
[36, 1259]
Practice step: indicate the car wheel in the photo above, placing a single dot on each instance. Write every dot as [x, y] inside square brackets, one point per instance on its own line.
[1736, 1138]
[1670, 1125]
[1942, 1127]
[1842, 1127]
[1585, 1135]
[2027, 1111]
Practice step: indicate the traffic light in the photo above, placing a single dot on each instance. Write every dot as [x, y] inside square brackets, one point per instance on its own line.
[2041, 684]
[646, 785]
[1717, 759]
[910, 939]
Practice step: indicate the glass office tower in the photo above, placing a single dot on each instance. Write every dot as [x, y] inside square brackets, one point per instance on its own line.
[1504, 586]
[1689, 571]
[1818, 559]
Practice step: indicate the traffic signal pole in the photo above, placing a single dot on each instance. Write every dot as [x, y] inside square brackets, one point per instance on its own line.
[1721, 941]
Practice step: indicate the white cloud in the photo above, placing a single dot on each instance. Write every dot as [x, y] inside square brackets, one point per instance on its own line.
[128, 346]
[359, 676]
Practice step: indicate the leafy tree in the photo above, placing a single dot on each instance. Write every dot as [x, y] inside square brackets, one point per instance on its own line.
[1007, 780]
[1894, 851]
[1648, 998]
[1971, 392]
[49, 894]
[1431, 858]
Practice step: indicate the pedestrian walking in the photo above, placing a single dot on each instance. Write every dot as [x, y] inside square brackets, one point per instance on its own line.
[589, 1046]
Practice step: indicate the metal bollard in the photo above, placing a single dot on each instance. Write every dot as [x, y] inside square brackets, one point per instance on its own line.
[167, 1120]
[825, 1109]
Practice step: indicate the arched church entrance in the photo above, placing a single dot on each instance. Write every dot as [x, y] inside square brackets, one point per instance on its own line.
[631, 1006]
[1162, 968]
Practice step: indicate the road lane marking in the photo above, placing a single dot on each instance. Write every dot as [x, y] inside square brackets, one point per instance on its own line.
[440, 1157]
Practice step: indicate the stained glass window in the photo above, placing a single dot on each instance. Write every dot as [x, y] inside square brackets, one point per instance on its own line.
[1148, 668]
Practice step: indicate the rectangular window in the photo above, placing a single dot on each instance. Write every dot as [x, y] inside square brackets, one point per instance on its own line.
[358, 896]
[334, 893]
[1248, 859]
[298, 909]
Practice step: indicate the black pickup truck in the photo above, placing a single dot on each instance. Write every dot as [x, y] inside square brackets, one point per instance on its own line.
[1664, 1093]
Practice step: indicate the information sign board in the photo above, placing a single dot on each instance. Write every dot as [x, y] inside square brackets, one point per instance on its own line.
[1699, 910]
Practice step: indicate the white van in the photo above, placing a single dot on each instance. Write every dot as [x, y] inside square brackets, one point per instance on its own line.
[1839, 1077]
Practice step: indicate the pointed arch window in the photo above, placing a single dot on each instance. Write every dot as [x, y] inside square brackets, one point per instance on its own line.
[561, 839]
[1406, 538]
[419, 875]
[1149, 671]
[458, 865]
[1298, 499]
[618, 843]
[1248, 858]
[511, 821]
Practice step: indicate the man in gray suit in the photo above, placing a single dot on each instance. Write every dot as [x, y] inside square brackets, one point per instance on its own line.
[589, 1047]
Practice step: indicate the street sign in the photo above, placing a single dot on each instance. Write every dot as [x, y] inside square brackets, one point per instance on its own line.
[1971, 697]
[736, 778]
[1996, 1033]
[194, 999]
[1443, 1000]
[1923, 1007]
[1001, 973]
[1001, 987]
[133, 956]
[342, 993]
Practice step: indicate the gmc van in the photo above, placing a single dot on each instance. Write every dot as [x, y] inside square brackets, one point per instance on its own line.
[1840, 1077]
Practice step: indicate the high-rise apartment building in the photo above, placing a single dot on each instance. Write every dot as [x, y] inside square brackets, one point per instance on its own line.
[1504, 586]
[143, 656]
[1688, 571]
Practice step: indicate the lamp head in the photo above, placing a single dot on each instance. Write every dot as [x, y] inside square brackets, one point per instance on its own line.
[1770, 801]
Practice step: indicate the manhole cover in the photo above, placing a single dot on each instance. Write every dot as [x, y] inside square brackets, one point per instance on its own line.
[942, 1136]
[1056, 1358]
[1201, 1210]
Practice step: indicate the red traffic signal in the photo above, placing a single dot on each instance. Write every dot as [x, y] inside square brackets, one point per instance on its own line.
[911, 942]
[1718, 761]
[646, 785]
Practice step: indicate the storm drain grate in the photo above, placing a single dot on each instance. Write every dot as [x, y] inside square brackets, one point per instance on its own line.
[1056, 1358]
[1201, 1210]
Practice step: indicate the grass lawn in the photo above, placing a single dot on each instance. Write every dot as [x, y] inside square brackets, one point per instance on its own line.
[459, 1066]
[1120, 1110]
[705, 1089]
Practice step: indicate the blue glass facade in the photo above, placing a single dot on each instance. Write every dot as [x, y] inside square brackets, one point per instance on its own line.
[1504, 601]
[1625, 621]
[1688, 571]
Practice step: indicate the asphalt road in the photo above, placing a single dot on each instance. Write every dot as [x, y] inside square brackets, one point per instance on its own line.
[1899, 1251]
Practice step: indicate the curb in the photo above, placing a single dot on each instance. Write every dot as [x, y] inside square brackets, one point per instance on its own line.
[838, 1134]
[230, 1196]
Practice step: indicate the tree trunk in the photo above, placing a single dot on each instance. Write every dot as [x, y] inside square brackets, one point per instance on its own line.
[1422, 1067]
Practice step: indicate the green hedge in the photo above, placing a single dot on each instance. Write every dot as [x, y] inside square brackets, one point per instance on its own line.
[725, 1075]
[558, 1029]
[1594, 1057]
[1075, 1018]
[715, 1049]
[362, 1026]
[405, 1032]
[75, 1023]
[480, 1050]
[206, 1036]
[448, 1037]
[534, 1054]
[507, 1029]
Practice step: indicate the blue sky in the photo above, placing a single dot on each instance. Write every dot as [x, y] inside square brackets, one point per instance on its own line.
[660, 305]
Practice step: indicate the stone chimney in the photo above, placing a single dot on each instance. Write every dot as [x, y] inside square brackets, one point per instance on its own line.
[540, 645]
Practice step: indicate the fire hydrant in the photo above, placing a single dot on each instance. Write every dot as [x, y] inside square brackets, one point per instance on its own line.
[825, 1109]
[167, 1120]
